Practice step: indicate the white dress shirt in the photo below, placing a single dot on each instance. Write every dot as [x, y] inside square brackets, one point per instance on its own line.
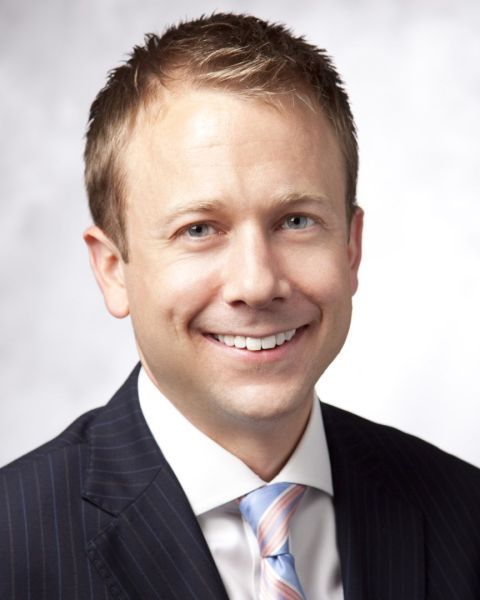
[213, 478]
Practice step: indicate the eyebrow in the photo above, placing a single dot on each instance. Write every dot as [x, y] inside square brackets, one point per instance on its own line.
[301, 198]
[216, 204]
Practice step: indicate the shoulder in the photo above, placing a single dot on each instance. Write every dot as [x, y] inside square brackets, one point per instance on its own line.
[56, 462]
[73, 436]
[40, 510]
[400, 491]
[410, 466]
[61, 462]
[77, 435]
[45, 523]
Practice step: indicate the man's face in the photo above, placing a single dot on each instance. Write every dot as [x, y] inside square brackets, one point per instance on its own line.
[237, 237]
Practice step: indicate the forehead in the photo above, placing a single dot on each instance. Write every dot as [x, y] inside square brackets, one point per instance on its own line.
[214, 139]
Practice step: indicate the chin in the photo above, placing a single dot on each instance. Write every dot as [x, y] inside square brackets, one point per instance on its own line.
[262, 404]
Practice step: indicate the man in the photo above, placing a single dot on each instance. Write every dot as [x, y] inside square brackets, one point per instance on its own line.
[221, 166]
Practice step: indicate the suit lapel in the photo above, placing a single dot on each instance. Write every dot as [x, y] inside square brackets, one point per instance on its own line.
[380, 533]
[153, 546]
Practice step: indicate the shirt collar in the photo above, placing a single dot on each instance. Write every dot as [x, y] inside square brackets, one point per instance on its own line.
[210, 475]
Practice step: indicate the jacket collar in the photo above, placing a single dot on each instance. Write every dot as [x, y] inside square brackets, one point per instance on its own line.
[153, 545]
[153, 540]
[379, 529]
[123, 456]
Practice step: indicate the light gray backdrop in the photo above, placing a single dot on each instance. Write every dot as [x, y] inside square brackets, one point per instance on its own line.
[412, 70]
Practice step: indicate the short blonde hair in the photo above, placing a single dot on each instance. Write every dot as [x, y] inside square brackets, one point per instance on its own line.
[234, 52]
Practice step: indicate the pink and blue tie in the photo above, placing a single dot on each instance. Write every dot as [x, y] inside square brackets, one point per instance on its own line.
[268, 511]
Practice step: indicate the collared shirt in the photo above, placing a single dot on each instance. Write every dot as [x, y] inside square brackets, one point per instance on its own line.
[213, 478]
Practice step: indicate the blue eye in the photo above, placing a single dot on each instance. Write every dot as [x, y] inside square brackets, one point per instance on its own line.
[198, 230]
[297, 222]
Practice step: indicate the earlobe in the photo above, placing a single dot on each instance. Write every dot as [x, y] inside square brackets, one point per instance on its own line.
[108, 268]
[355, 247]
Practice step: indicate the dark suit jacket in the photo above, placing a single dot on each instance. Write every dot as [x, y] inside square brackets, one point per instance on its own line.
[97, 513]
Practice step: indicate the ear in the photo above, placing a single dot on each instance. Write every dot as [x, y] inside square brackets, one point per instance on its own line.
[109, 270]
[355, 247]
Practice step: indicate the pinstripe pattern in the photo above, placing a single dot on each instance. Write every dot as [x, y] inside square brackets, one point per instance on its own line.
[97, 514]
[408, 516]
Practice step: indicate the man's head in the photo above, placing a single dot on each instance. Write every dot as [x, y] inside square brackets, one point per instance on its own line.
[233, 53]
[238, 213]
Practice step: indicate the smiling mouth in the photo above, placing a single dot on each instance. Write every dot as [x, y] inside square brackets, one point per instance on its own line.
[254, 344]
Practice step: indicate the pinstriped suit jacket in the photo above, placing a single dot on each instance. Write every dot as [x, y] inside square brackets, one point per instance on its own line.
[97, 513]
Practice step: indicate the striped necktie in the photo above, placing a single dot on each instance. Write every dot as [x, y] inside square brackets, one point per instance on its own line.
[268, 510]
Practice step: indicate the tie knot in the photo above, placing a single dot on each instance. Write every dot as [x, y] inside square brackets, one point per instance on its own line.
[268, 511]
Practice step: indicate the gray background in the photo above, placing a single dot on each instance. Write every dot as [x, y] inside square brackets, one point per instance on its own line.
[412, 70]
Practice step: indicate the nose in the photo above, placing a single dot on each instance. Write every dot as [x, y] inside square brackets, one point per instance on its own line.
[254, 274]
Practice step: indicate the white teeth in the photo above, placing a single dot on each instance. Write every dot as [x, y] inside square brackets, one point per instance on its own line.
[269, 342]
[256, 344]
[240, 341]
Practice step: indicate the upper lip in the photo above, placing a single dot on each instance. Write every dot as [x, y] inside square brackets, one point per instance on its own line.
[255, 334]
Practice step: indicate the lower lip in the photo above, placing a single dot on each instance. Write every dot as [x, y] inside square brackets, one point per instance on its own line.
[261, 356]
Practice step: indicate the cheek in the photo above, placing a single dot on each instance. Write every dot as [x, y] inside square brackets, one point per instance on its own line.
[324, 277]
[170, 296]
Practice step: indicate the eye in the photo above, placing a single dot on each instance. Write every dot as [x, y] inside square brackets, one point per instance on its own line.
[199, 230]
[297, 222]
